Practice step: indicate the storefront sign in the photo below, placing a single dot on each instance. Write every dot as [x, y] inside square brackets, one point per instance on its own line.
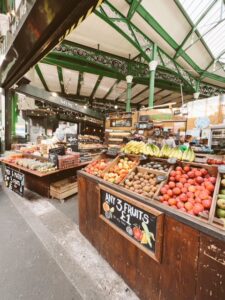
[14, 180]
[139, 223]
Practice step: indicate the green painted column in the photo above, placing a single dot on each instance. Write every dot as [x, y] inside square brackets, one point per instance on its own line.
[197, 93]
[129, 79]
[152, 67]
[14, 112]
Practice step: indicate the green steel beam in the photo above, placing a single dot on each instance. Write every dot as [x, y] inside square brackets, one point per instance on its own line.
[85, 59]
[133, 7]
[41, 77]
[72, 65]
[60, 76]
[111, 89]
[149, 43]
[80, 82]
[95, 88]
[163, 33]
[211, 63]
[200, 37]
[192, 25]
[179, 50]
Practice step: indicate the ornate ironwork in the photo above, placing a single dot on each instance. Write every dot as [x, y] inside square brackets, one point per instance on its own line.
[93, 56]
[210, 90]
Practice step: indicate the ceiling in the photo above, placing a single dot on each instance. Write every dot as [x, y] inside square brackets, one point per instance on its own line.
[189, 35]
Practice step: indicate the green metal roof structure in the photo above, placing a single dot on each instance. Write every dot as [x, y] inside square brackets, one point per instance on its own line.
[117, 40]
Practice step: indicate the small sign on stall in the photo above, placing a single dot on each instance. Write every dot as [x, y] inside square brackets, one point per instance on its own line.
[53, 155]
[14, 180]
[72, 140]
[138, 223]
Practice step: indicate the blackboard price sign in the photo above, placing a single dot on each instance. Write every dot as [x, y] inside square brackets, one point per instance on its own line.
[14, 180]
[139, 223]
[72, 140]
[53, 155]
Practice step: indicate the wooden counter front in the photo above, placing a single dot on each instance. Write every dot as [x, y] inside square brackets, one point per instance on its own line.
[40, 182]
[192, 263]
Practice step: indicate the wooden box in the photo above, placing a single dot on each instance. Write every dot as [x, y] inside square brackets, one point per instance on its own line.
[63, 188]
[114, 162]
[146, 171]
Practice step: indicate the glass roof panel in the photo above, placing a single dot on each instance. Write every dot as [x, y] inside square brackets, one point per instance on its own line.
[212, 25]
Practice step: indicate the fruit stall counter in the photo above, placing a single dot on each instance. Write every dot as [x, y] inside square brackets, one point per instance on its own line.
[40, 182]
[157, 249]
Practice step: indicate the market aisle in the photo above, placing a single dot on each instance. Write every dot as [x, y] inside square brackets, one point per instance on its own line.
[27, 269]
[84, 270]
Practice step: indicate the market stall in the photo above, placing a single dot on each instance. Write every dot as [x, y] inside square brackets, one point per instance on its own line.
[154, 228]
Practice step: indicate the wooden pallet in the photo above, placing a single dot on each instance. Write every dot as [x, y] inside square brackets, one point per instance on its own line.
[63, 188]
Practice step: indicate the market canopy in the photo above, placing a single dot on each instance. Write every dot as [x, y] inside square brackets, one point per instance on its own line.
[117, 40]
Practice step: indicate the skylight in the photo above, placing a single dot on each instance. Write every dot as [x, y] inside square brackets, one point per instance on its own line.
[209, 18]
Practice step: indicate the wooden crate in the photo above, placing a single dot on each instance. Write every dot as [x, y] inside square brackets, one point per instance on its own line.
[213, 171]
[136, 159]
[146, 171]
[63, 188]
[213, 220]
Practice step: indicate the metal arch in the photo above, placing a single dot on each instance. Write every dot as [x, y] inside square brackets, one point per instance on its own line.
[141, 42]
[81, 58]
[158, 28]
[179, 50]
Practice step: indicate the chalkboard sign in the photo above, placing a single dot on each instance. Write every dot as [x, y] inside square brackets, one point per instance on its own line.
[139, 223]
[72, 140]
[53, 155]
[14, 180]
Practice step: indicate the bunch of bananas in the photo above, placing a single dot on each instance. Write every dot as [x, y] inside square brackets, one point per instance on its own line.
[134, 147]
[169, 152]
[152, 150]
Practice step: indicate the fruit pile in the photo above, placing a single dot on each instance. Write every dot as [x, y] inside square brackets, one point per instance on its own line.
[144, 184]
[156, 165]
[220, 210]
[119, 171]
[97, 167]
[189, 190]
[215, 162]
[168, 152]
[134, 147]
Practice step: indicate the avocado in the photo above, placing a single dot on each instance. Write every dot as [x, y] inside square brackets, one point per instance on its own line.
[220, 213]
[221, 196]
[221, 203]
[222, 192]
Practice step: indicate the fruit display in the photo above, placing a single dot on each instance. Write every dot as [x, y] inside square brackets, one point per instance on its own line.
[220, 207]
[215, 162]
[168, 152]
[36, 165]
[134, 147]
[97, 167]
[157, 165]
[143, 183]
[119, 171]
[189, 189]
